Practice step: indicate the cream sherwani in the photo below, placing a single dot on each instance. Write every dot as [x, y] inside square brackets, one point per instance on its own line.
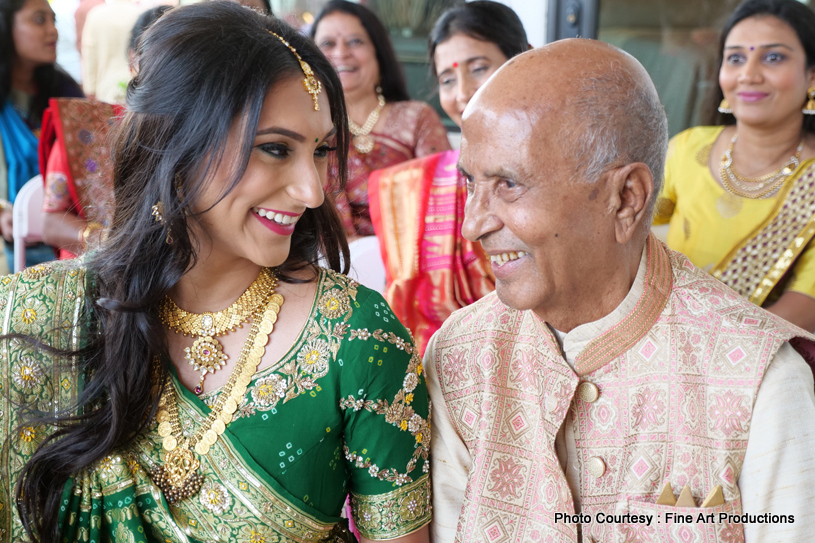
[684, 382]
[105, 41]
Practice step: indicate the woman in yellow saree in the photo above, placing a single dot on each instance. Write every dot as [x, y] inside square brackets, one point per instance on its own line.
[740, 198]
[198, 377]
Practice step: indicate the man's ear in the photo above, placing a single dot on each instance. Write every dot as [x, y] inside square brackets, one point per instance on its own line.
[631, 187]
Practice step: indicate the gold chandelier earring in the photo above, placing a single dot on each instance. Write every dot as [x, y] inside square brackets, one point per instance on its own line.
[157, 211]
[724, 106]
[809, 109]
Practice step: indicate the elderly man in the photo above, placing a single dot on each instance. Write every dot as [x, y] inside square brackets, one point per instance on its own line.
[608, 391]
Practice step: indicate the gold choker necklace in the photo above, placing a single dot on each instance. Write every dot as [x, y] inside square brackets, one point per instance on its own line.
[179, 477]
[207, 354]
[363, 142]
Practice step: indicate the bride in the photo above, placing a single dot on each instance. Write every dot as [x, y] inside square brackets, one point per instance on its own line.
[198, 377]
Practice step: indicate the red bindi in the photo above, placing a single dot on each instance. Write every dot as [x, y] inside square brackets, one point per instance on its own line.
[455, 65]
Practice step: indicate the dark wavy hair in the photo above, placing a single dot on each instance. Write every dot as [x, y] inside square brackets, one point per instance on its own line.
[144, 21]
[394, 87]
[201, 67]
[482, 20]
[798, 16]
[49, 79]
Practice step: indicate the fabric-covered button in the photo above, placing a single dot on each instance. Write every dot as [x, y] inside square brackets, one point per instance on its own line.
[596, 466]
[588, 392]
[551, 403]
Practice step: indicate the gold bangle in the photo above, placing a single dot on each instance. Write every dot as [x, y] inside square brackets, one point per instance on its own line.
[93, 225]
[5, 205]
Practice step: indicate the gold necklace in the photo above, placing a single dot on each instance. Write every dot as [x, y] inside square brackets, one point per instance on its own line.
[207, 354]
[734, 182]
[179, 477]
[363, 142]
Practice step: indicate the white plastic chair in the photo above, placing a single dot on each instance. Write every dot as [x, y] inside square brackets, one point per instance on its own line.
[366, 263]
[28, 218]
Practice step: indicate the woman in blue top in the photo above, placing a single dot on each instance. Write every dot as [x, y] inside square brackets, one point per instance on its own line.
[29, 76]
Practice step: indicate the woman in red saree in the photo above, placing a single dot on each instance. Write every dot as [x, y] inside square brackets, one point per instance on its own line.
[417, 207]
[387, 127]
[78, 179]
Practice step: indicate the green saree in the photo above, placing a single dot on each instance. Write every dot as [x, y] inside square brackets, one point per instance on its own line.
[345, 411]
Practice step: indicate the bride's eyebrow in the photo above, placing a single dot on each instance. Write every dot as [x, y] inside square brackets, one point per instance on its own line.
[283, 132]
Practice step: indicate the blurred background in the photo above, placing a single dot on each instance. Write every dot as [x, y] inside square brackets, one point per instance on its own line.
[674, 40]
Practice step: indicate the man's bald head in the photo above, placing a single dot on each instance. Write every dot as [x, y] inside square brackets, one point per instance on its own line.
[593, 100]
[573, 110]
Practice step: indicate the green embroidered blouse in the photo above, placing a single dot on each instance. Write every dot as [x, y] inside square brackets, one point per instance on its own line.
[345, 411]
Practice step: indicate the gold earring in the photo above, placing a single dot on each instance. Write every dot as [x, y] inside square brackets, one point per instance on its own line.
[157, 211]
[809, 109]
[724, 107]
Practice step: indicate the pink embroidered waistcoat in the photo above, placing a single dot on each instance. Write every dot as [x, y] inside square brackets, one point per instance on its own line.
[677, 380]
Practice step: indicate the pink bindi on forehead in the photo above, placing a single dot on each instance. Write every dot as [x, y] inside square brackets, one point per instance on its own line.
[455, 65]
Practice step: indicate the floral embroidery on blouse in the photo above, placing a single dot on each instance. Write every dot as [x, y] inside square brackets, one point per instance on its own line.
[398, 413]
[320, 345]
[313, 359]
[269, 390]
[379, 335]
[316, 353]
[383, 515]
[334, 304]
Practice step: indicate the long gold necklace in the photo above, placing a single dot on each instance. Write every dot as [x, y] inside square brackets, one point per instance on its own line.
[363, 142]
[179, 476]
[758, 187]
[207, 354]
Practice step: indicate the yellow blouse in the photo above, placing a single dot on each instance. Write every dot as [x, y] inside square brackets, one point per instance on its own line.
[706, 221]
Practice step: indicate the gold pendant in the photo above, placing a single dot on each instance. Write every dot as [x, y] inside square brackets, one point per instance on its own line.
[207, 356]
[364, 143]
[179, 477]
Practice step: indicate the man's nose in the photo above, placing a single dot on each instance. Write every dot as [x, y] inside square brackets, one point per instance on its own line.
[479, 219]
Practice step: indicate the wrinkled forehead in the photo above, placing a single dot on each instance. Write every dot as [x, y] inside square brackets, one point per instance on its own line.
[501, 142]
[514, 118]
[513, 93]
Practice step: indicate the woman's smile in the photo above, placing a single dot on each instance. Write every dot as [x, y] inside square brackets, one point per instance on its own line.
[279, 222]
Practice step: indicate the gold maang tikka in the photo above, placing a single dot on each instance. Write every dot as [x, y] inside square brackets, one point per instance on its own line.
[313, 86]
